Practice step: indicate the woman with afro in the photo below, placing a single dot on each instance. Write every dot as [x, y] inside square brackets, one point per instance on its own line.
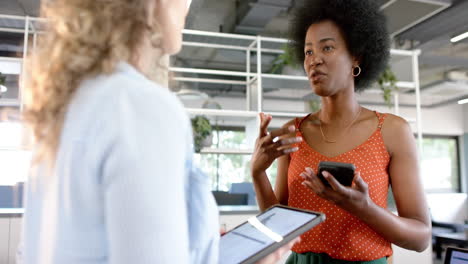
[344, 46]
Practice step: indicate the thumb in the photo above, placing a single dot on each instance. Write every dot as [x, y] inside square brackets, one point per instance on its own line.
[360, 184]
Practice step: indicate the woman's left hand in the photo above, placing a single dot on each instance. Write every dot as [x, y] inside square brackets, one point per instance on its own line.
[352, 199]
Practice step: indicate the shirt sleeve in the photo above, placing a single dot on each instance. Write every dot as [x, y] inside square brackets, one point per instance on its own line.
[203, 213]
[144, 189]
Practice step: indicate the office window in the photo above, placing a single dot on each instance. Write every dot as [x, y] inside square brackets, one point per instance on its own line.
[225, 169]
[440, 169]
[14, 166]
[14, 158]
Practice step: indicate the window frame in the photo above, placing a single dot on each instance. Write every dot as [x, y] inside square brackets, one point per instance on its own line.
[458, 161]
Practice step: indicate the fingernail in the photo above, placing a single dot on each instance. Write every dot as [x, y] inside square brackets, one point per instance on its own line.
[325, 174]
[291, 128]
[309, 170]
[302, 175]
[291, 150]
[298, 139]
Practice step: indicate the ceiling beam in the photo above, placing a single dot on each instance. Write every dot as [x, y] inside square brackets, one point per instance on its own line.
[447, 22]
[435, 60]
[31, 7]
[433, 44]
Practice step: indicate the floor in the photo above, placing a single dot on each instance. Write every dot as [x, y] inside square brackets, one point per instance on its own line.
[438, 261]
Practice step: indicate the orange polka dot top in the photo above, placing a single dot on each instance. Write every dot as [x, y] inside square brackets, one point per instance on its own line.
[342, 235]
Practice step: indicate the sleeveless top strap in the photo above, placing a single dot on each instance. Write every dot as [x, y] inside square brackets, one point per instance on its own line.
[299, 121]
[381, 118]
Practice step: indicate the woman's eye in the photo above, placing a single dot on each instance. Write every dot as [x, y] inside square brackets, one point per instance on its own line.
[328, 48]
[308, 52]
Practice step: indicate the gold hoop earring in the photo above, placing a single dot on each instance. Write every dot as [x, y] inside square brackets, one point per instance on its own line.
[359, 71]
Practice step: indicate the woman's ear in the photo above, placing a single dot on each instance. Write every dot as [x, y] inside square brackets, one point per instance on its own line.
[356, 61]
[170, 16]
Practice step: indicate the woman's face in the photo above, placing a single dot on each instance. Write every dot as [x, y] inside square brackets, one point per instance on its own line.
[170, 15]
[327, 62]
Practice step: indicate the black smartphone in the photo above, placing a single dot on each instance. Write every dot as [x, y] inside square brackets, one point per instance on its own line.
[343, 172]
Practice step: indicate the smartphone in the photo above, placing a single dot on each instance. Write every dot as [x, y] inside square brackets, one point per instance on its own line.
[343, 172]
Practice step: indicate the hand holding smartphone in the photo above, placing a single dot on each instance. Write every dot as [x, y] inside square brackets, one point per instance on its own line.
[343, 172]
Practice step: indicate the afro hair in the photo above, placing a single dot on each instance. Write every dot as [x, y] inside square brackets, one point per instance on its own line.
[364, 28]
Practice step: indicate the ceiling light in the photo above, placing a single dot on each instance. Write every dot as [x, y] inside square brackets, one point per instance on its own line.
[459, 37]
[463, 101]
[3, 88]
[190, 94]
[211, 104]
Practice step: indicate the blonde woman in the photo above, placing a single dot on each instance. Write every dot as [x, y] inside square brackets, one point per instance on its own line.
[112, 179]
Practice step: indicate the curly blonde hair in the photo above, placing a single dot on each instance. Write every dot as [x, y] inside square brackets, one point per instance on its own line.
[83, 38]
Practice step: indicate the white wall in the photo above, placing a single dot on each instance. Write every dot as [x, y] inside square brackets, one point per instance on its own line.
[446, 120]
[240, 104]
[465, 117]
[448, 207]
[10, 228]
[404, 256]
[464, 150]
[4, 239]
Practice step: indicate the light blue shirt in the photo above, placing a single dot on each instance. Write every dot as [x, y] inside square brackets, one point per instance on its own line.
[124, 189]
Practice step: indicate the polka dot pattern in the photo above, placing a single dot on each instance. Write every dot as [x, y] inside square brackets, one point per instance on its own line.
[342, 235]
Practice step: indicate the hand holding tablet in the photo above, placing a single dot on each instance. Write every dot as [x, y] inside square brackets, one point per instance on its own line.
[265, 233]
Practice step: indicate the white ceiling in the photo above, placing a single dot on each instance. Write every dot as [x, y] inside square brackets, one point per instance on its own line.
[422, 24]
[20, 7]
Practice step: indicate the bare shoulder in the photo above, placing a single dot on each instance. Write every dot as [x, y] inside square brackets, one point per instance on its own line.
[291, 122]
[396, 132]
[394, 122]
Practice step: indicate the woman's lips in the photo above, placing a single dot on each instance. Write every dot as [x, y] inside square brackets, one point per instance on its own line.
[318, 77]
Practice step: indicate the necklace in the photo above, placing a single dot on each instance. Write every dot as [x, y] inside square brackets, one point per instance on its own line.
[344, 131]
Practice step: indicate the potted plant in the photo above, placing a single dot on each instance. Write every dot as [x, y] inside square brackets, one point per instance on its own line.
[285, 63]
[201, 132]
[387, 83]
[2, 83]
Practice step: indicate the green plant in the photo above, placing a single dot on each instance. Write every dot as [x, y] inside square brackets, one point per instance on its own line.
[201, 130]
[314, 105]
[387, 83]
[286, 58]
[2, 79]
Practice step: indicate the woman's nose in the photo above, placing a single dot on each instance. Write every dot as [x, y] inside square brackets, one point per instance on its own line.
[315, 60]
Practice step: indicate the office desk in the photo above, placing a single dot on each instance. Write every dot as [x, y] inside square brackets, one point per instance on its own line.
[459, 239]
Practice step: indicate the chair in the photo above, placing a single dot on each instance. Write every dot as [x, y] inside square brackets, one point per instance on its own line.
[246, 188]
[447, 233]
[6, 196]
[225, 198]
[11, 196]
[18, 190]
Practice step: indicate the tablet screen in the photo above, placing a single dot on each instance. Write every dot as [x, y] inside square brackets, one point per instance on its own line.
[457, 256]
[249, 238]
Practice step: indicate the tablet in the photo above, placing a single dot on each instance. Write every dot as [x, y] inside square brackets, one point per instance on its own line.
[262, 234]
[456, 255]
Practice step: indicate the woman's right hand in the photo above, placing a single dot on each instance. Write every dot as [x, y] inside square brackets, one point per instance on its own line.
[279, 253]
[270, 146]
